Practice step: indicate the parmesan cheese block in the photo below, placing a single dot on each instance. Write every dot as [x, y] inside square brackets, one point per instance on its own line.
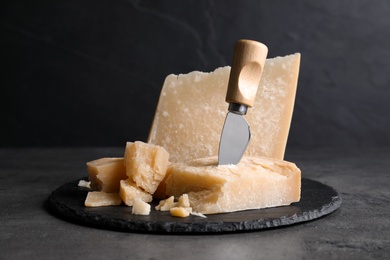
[129, 192]
[105, 174]
[100, 198]
[191, 111]
[254, 183]
[146, 164]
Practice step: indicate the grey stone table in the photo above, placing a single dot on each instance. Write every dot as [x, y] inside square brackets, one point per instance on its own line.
[359, 229]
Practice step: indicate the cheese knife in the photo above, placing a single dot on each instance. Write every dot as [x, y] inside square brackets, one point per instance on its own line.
[247, 67]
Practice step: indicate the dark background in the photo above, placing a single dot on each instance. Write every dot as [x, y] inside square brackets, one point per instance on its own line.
[89, 73]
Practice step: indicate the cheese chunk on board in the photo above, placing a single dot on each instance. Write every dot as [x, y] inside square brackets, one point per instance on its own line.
[180, 212]
[140, 207]
[101, 198]
[146, 164]
[191, 111]
[105, 174]
[254, 183]
[167, 204]
[129, 192]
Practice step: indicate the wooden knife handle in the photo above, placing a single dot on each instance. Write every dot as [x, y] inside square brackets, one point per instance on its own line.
[247, 66]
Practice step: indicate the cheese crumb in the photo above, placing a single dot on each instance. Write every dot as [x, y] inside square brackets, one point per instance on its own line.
[140, 207]
[84, 184]
[183, 201]
[166, 205]
[180, 212]
[181, 208]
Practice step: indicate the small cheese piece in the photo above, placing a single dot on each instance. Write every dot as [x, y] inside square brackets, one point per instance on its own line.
[146, 164]
[100, 198]
[191, 111]
[140, 207]
[184, 201]
[129, 192]
[166, 205]
[105, 174]
[180, 212]
[84, 184]
[254, 183]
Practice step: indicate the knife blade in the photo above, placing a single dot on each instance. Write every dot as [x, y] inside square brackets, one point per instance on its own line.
[245, 75]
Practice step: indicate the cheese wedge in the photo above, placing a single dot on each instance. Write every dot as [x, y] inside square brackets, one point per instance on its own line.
[105, 174]
[254, 183]
[100, 198]
[192, 109]
[146, 164]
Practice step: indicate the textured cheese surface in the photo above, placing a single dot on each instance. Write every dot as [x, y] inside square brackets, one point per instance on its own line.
[256, 182]
[129, 192]
[180, 212]
[146, 164]
[140, 207]
[100, 198]
[167, 204]
[105, 174]
[191, 111]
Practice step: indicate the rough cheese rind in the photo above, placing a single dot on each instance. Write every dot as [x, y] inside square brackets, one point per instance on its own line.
[254, 183]
[192, 109]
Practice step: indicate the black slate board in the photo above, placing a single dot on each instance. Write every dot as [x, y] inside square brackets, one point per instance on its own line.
[317, 200]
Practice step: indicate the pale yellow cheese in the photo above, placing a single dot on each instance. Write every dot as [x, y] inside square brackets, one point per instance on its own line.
[146, 164]
[84, 184]
[192, 109]
[184, 201]
[140, 207]
[129, 192]
[181, 208]
[105, 174]
[180, 212]
[167, 204]
[100, 198]
[254, 183]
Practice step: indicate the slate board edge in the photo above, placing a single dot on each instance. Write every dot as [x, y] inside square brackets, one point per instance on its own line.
[65, 212]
